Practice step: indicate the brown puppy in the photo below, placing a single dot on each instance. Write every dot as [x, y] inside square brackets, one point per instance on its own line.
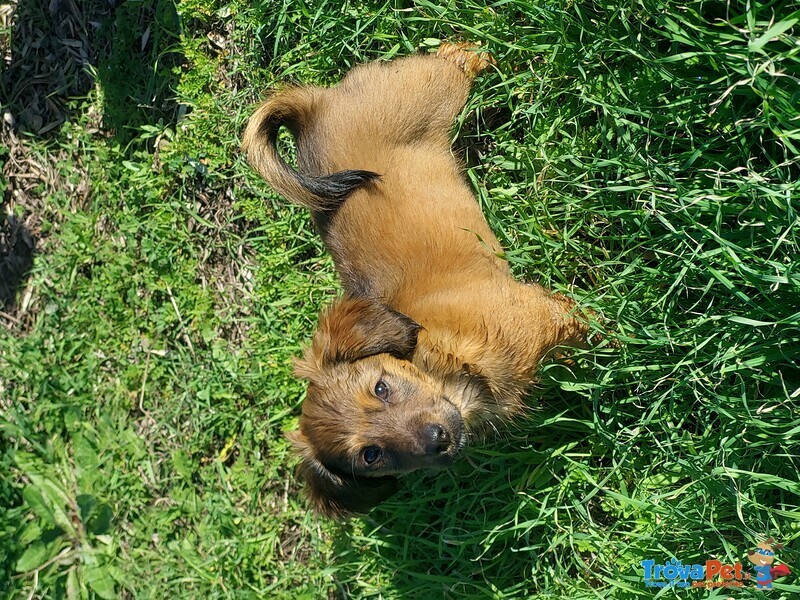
[433, 339]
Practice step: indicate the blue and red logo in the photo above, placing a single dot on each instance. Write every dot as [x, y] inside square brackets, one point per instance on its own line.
[762, 558]
[714, 573]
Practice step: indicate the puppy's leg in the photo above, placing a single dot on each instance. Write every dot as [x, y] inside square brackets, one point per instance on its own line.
[409, 100]
[539, 322]
[466, 56]
[571, 324]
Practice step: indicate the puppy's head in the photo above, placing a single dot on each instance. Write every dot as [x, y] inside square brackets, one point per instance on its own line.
[369, 414]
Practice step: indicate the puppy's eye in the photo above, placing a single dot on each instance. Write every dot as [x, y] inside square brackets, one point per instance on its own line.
[371, 454]
[382, 390]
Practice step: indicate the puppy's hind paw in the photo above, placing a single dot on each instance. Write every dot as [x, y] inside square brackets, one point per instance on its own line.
[466, 56]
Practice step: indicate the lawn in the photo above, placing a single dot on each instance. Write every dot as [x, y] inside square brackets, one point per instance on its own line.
[641, 156]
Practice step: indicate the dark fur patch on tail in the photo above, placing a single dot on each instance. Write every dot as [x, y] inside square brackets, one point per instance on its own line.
[336, 186]
[294, 108]
[326, 191]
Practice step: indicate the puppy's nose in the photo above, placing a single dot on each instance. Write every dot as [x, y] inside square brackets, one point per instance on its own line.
[437, 440]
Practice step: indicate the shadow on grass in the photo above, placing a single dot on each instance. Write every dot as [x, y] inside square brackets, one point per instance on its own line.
[16, 258]
[139, 71]
[536, 510]
[482, 526]
[111, 66]
[59, 50]
[54, 55]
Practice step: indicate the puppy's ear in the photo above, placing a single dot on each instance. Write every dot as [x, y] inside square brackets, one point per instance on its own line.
[354, 328]
[307, 367]
[336, 495]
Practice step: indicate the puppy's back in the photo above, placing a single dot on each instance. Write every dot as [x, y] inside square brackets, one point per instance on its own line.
[380, 139]
[350, 134]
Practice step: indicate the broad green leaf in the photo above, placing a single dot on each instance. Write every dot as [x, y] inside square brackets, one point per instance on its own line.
[75, 587]
[36, 501]
[100, 581]
[38, 554]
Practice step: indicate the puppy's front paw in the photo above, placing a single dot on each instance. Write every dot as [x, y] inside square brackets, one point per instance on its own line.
[467, 56]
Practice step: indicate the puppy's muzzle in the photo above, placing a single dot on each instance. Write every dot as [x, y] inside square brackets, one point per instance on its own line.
[442, 436]
[437, 439]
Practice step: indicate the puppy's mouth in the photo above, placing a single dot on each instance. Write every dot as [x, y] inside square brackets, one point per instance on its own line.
[460, 437]
[462, 441]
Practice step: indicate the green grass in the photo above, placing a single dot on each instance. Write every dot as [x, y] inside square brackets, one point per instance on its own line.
[641, 156]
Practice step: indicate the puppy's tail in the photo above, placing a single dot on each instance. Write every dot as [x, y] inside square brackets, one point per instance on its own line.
[294, 109]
